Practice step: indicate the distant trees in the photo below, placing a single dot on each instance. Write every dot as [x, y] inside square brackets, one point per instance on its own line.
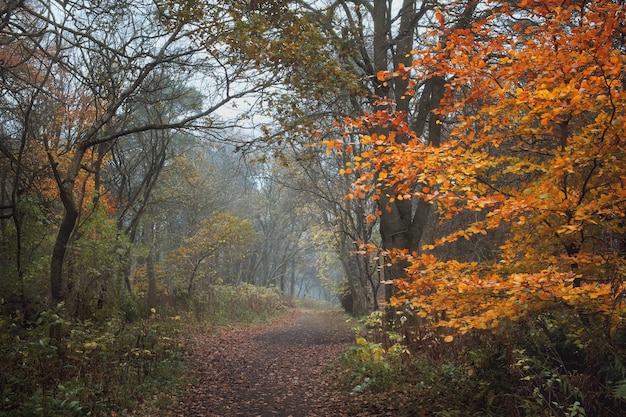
[360, 41]
[286, 250]
[219, 240]
[95, 100]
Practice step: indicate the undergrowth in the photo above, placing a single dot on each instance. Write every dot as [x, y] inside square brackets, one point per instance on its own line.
[109, 365]
[554, 363]
[245, 303]
[92, 369]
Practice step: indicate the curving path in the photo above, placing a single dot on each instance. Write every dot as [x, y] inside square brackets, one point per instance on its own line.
[281, 369]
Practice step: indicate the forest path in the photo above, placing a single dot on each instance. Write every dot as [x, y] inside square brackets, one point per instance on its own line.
[280, 369]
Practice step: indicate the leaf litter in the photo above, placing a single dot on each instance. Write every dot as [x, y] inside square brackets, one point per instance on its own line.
[287, 368]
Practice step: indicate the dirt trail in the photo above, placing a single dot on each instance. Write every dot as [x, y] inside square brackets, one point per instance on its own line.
[279, 369]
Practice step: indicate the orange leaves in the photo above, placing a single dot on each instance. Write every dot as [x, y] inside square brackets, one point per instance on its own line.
[439, 16]
[535, 155]
[473, 299]
[533, 164]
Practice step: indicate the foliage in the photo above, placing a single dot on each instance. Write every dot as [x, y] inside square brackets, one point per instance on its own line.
[375, 366]
[552, 363]
[96, 263]
[535, 115]
[221, 239]
[99, 368]
[566, 364]
[244, 303]
[35, 237]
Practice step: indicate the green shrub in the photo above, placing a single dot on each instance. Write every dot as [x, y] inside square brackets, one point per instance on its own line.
[243, 303]
[374, 364]
[373, 367]
[96, 368]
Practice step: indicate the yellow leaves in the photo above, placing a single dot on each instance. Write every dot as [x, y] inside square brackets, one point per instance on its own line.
[569, 228]
[594, 295]
[544, 94]
[90, 345]
[599, 292]
[361, 341]
[474, 298]
[523, 166]
[333, 144]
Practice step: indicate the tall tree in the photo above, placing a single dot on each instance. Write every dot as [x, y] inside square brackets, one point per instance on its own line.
[370, 41]
[535, 95]
[95, 63]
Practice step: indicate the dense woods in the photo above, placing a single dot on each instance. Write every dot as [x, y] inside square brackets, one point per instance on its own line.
[452, 172]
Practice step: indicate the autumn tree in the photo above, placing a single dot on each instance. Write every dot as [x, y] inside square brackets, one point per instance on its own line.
[194, 186]
[197, 259]
[397, 107]
[361, 42]
[535, 103]
[96, 66]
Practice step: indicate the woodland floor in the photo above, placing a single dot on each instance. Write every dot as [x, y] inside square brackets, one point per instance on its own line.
[286, 368]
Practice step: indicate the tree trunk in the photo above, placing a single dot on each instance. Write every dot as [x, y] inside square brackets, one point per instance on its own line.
[402, 222]
[356, 284]
[58, 287]
[151, 293]
[292, 279]
[57, 284]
